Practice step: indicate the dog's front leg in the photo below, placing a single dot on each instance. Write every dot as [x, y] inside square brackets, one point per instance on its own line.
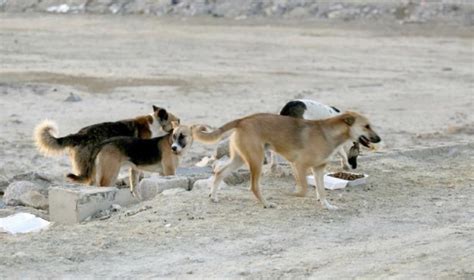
[318, 173]
[344, 160]
[133, 176]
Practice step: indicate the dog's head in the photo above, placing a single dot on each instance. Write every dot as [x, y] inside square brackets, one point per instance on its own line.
[360, 129]
[164, 119]
[181, 138]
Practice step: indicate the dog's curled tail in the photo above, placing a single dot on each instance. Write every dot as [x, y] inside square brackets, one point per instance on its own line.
[45, 138]
[201, 134]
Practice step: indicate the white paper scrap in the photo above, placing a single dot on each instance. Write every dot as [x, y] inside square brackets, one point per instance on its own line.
[22, 223]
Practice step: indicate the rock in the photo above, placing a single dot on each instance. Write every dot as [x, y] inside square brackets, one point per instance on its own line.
[219, 163]
[116, 207]
[72, 98]
[193, 174]
[299, 12]
[18, 5]
[237, 177]
[148, 188]
[35, 177]
[171, 192]
[202, 184]
[26, 193]
[35, 199]
[222, 149]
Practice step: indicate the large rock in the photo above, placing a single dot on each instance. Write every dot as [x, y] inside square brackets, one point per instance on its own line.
[148, 188]
[26, 193]
[34, 177]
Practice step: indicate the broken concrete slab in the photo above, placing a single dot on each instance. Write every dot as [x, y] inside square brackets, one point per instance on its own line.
[72, 204]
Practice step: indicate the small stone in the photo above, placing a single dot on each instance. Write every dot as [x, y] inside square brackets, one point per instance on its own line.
[72, 98]
[116, 207]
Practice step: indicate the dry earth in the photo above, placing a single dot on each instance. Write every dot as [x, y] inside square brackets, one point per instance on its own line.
[413, 220]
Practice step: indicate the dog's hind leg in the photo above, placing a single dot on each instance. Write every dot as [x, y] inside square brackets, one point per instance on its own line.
[223, 171]
[318, 173]
[255, 172]
[108, 168]
[300, 177]
[254, 156]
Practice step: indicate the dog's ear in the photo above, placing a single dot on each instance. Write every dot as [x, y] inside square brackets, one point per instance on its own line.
[155, 108]
[349, 119]
[162, 114]
[175, 124]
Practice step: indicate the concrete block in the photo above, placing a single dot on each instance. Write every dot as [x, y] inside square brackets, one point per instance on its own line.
[148, 188]
[194, 174]
[124, 197]
[72, 204]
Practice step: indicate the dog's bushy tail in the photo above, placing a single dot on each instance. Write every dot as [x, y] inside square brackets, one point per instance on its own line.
[201, 134]
[45, 139]
[48, 143]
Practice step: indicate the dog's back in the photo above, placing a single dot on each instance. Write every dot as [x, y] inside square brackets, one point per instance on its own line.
[308, 109]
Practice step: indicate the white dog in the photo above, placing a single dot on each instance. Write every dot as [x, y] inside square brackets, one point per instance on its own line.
[312, 110]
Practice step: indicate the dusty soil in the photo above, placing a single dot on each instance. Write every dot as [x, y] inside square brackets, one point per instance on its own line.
[413, 220]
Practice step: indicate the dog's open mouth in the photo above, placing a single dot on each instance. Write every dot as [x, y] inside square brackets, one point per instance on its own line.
[364, 141]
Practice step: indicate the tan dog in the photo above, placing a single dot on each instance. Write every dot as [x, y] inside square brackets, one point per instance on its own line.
[160, 154]
[304, 143]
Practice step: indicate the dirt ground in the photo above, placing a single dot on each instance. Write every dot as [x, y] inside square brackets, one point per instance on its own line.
[414, 219]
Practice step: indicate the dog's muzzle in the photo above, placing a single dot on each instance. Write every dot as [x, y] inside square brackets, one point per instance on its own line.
[366, 141]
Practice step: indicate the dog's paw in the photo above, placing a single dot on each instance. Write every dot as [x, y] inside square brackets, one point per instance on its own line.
[298, 193]
[213, 198]
[328, 206]
[269, 205]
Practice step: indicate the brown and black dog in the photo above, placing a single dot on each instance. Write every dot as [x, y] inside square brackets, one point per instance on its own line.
[159, 154]
[306, 144]
[81, 144]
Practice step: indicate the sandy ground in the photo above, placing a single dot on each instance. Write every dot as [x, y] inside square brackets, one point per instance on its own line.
[415, 218]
